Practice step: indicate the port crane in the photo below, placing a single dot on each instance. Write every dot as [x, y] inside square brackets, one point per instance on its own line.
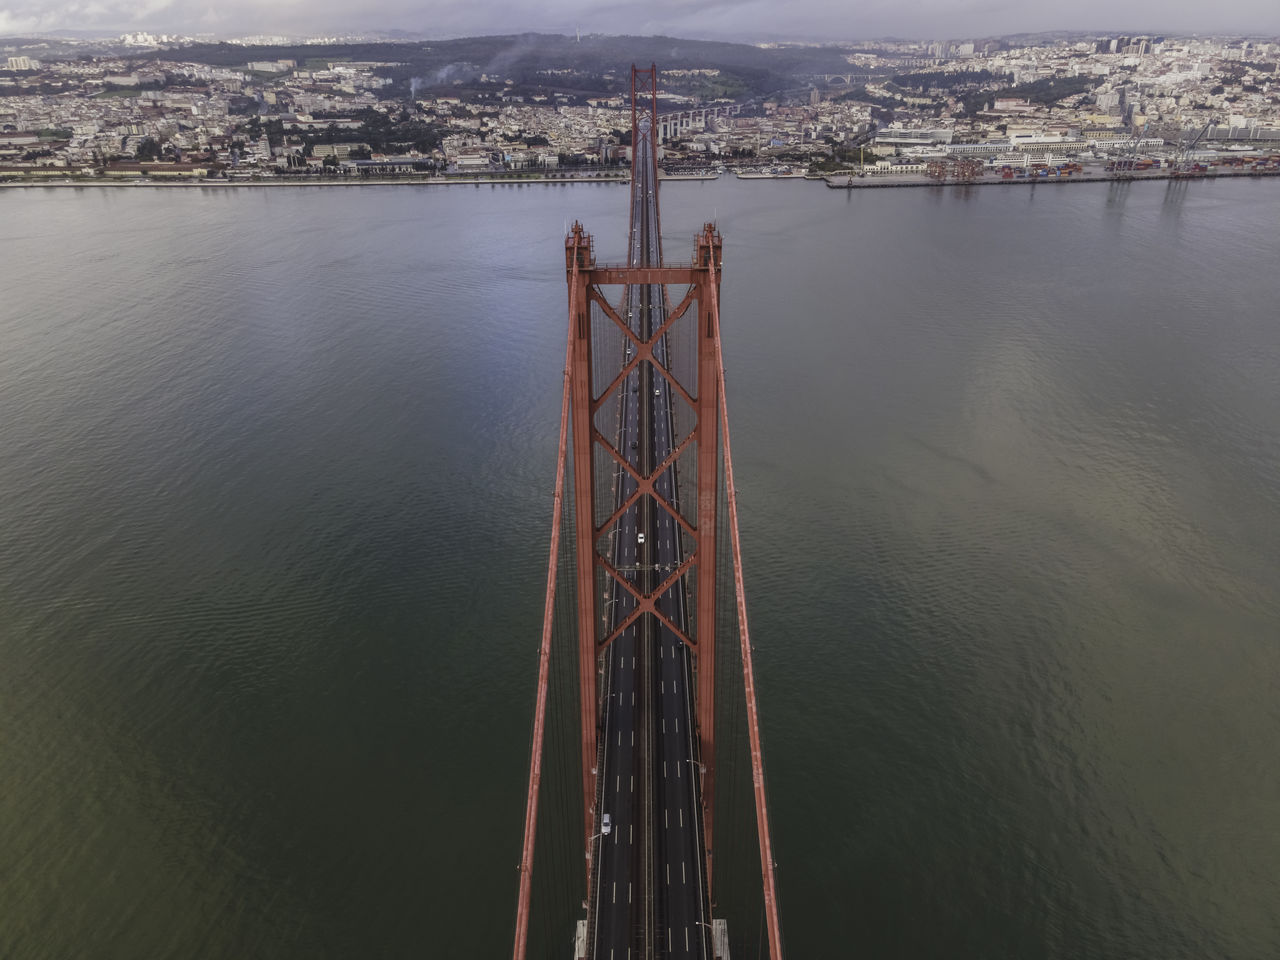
[1122, 167]
[1183, 166]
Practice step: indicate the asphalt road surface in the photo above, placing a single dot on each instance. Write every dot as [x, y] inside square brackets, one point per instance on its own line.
[649, 896]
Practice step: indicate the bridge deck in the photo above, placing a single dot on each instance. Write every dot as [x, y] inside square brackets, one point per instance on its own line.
[649, 896]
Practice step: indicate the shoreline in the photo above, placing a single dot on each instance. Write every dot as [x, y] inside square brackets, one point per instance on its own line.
[869, 183]
[279, 182]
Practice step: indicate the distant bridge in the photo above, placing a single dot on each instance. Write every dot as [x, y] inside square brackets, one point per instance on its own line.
[671, 125]
[848, 79]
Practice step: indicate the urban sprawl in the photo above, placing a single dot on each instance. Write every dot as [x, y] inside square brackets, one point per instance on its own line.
[890, 111]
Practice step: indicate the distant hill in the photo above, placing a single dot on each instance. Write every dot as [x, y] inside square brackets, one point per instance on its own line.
[549, 60]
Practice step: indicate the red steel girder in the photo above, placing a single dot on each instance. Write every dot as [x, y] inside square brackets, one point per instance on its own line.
[646, 485]
[646, 603]
[652, 97]
[708, 257]
[577, 257]
[643, 350]
[702, 279]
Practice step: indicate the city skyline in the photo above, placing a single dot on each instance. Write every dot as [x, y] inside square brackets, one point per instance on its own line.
[730, 20]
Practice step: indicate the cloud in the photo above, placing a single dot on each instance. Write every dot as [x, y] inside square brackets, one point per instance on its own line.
[711, 19]
[14, 22]
[37, 16]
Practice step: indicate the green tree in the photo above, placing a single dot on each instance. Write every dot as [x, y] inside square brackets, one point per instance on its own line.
[148, 149]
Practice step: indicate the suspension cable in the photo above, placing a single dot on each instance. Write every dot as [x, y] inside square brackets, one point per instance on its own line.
[544, 664]
[744, 640]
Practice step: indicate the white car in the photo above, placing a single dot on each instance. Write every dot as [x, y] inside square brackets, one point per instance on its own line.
[606, 826]
[640, 538]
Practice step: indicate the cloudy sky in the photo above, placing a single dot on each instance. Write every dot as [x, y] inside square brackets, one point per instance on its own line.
[703, 19]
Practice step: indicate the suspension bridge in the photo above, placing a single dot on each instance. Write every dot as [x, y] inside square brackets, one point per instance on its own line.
[646, 762]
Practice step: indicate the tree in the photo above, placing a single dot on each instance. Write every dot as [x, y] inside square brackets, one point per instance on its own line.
[274, 129]
[148, 149]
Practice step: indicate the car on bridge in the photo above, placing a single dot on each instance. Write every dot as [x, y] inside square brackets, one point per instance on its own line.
[606, 826]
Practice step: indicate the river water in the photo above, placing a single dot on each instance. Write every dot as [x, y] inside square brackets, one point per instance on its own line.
[275, 478]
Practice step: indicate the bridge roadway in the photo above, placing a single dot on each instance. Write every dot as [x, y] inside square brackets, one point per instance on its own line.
[649, 897]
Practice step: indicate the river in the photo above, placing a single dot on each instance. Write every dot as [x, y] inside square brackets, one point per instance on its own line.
[275, 490]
